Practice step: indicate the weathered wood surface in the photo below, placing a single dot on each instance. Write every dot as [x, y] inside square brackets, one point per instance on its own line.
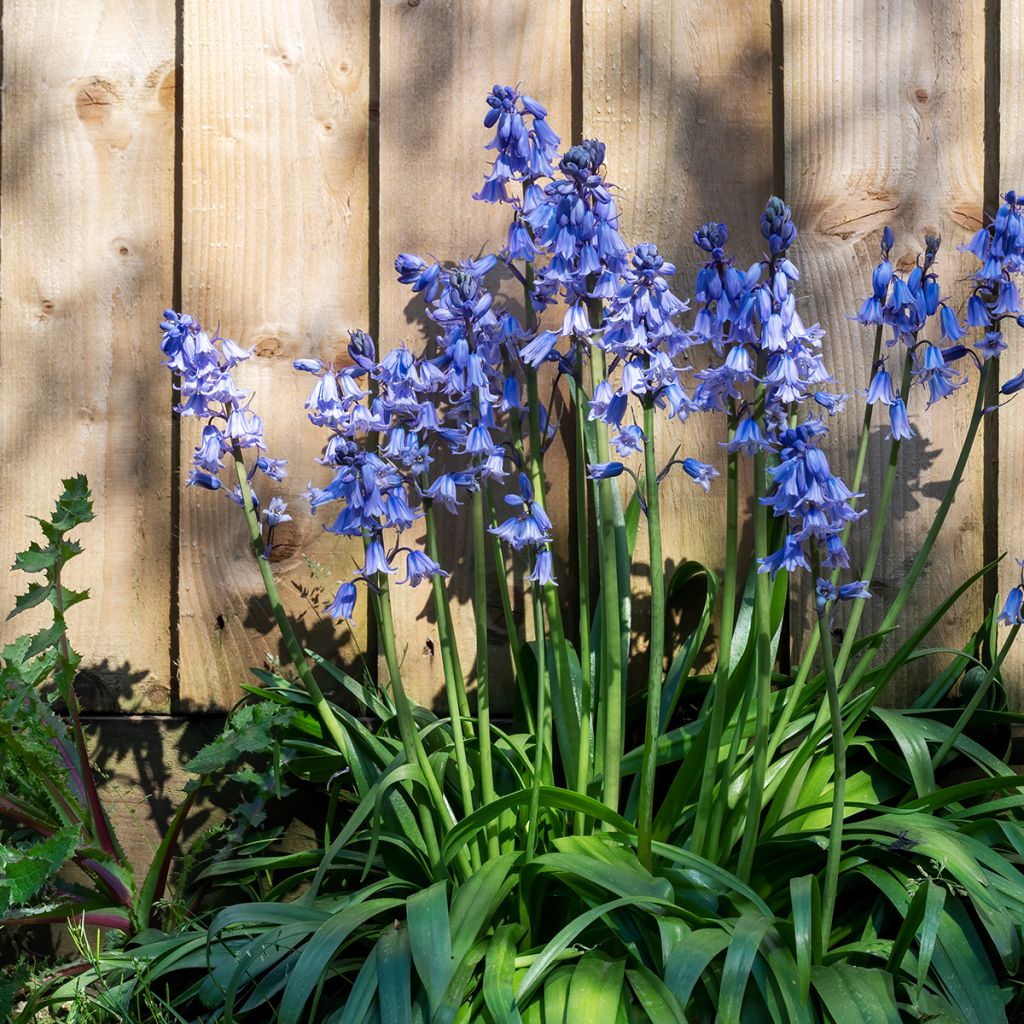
[87, 241]
[1007, 462]
[682, 99]
[439, 58]
[882, 118]
[884, 115]
[275, 249]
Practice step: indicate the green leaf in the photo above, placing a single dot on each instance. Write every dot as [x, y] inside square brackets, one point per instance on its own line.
[566, 936]
[746, 939]
[499, 975]
[36, 594]
[689, 959]
[657, 999]
[550, 796]
[311, 966]
[805, 903]
[35, 559]
[250, 730]
[364, 988]
[857, 995]
[394, 984]
[430, 939]
[596, 988]
[25, 869]
[475, 901]
[913, 746]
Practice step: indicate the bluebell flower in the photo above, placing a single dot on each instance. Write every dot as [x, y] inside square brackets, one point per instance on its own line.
[344, 604]
[523, 152]
[1013, 385]
[1011, 613]
[628, 441]
[747, 438]
[881, 389]
[419, 567]
[900, 429]
[543, 568]
[604, 470]
[196, 478]
[700, 472]
[276, 512]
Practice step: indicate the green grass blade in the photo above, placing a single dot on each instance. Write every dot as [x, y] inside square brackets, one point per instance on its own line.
[430, 939]
[311, 966]
[657, 999]
[596, 988]
[744, 943]
[499, 975]
[857, 995]
[394, 982]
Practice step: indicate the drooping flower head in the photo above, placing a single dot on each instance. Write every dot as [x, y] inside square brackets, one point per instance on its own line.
[203, 363]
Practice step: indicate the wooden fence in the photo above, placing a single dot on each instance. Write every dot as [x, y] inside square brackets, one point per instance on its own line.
[260, 164]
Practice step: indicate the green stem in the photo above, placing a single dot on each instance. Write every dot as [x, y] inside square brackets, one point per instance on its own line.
[483, 686]
[453, 679]
[291, 643]
[795, 694]
[649, 762]
[835, 834]
[975, 701]
[881, 520]
[763, 663]
[903, 595]
[455, 683]
[412, 742]
[540, 730]
[704, 842]
[612, 694]
[583, 765]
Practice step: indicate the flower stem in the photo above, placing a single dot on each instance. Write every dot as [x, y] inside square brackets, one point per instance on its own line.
[455, 684]
[762, 661]
[649, 761]
[540, 730]
[903, 595]
[583, 765]
[705, 838]
[291, 643]
[483, 683]
[877, 531]
[612, 693]
[835, 834]
[796, 690]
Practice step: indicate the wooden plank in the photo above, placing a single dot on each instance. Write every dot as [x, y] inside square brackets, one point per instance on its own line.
[689, 139]
[1010, 464]
[439, 59]
[275, 247]
[884, 116]
[87, 239]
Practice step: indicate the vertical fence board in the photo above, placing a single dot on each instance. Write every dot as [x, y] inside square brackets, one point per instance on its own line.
[87, 239]
[275, 247]
[439, 58]
[1009, 461]
[884, 121]
[682, 98]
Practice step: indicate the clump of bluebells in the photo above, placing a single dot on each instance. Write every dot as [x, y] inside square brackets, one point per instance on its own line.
[203, 364]
[570, 322]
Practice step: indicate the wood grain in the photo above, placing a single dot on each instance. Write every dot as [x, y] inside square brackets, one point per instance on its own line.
[87, 240]
[275, 248]
[884, 117]
[682, 98]
[1008, 462]
[439, 59]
